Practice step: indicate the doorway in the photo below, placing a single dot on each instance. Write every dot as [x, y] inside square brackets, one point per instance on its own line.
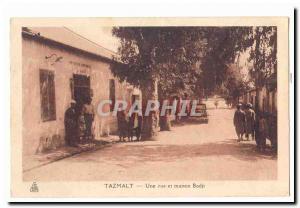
[82, 90]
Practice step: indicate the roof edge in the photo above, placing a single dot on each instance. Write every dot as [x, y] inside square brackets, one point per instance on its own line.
[96, 44]
[38, 37]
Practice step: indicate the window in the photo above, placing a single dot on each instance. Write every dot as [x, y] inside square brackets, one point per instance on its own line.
[47, 91]
[112, 93]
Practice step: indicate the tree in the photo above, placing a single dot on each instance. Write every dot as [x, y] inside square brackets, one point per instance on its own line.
[263, 54]
[190, 59]
[223, 45]
[235, 84]
[168, 55]
[262, 42]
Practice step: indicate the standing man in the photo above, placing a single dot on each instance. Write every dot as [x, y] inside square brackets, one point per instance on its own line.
[81, 128]
[89, 114]
[122, 125]
[216, 103]
[71, 125]
[262, 130]
[135, 126]
[178, 107]
[239, 122]
[250, 121]
[187, 101]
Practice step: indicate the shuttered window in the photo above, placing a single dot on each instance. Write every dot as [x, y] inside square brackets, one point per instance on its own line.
[47, 91]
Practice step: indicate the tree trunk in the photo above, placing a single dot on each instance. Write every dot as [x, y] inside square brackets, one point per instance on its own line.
[150, 122]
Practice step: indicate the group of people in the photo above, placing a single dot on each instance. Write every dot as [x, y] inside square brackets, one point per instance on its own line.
[247, 122]
[244, 122]
[129, 125]
[78, 122]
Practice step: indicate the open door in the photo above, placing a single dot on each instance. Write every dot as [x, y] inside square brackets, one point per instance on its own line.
[82, 89]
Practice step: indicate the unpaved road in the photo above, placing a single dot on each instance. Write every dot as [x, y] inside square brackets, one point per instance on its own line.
[189, 152]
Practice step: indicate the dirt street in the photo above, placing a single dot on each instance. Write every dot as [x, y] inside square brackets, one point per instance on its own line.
[191, 151]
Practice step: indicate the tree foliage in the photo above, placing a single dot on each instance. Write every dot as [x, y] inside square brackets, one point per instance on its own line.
[190, 59]
[223, 46]
[234, 85]
[168, 54]
[263, 54]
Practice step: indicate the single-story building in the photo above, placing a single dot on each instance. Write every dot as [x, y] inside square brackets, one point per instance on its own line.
[59, 65]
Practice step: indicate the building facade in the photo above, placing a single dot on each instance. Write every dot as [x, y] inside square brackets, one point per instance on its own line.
[59, 65]
[264, 102]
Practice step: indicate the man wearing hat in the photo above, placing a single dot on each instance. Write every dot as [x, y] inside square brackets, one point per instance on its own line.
[250, 121]
[239, 122]
[71, 124]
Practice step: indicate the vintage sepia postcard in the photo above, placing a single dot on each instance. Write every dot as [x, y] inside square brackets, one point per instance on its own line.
[150, 107]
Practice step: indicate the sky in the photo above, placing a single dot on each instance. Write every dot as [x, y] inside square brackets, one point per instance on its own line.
[100, 35]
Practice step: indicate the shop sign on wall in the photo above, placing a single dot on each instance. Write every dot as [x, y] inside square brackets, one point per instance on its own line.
[81, 68]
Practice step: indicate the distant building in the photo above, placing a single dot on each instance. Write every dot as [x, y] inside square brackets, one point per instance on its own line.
[59, 65]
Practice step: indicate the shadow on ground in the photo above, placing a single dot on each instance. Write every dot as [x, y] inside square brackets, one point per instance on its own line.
[148, 152]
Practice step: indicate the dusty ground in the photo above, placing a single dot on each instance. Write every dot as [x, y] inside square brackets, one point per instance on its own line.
[189, 152]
